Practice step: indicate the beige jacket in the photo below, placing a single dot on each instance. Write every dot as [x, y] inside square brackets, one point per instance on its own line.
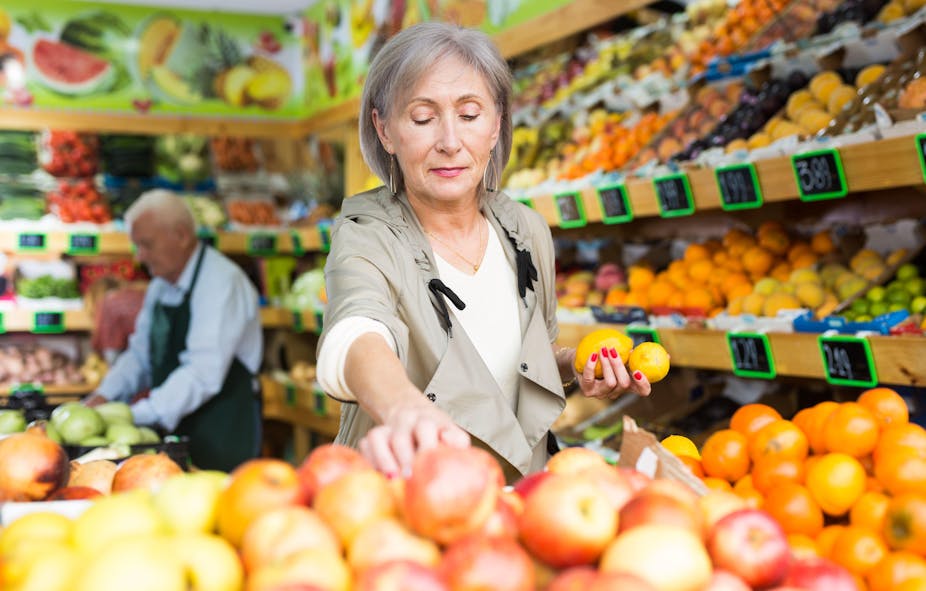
[381, 266]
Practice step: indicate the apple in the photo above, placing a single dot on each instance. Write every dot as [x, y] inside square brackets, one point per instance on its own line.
[188, 502]
[717, 504]
[647, 508]
[502, 522]
[451, 492]
[140, 563]
[528, 483]
[326, 463]
[724, 580]
[148, 471]
[575, 578]
[574, 459]
[819, 574]
[31, 467]
[672, 488]
[96, 474]
[312, 566]
[255, 487]
[277, 533]
[750, 543]
[613, 485]
[110, 519]
[388, 540]
[637, 480]
[353, 500]
[401, 575]
[476, 563]
[73, 493]
[51, 568]
[210, 562]
[667, 557]
[621, 581]
[567, 521]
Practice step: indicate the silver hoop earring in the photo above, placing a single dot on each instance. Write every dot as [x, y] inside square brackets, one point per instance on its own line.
[393, 186]
[485, 175]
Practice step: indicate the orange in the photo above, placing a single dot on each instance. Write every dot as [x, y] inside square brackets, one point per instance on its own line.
[659, 292]
[905, 524]
[894, 569]
[758, 261]
[636, 298]
[851, 429]
[913, 584]
[770, 226]
[749, 418]
[700, 270]
[714, 483]
[781, 439]
[821, 412]
[753, 498]
[781, 272]
[904, 435]
[776, 242]
[696, 252]
[596, 340]
[858, 549]
[794, 509]
[805, 260]
[804, 420]
[902, 471]
[822, 242]
[725, 455]
[802, 546]
[836, 481]
[700, 298]
[639, 277]
[869, 511]
[827, 537]
[888, 407]
[771, 471]
[744, 484]
[693, 464]
[680, 445]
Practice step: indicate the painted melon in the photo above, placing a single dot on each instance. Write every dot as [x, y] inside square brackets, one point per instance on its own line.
[68, 70]
[156, 40]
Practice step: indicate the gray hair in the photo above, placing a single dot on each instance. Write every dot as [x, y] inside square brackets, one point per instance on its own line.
[170, 210]
[405, 58]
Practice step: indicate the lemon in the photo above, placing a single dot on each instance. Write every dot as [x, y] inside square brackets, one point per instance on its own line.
[651, 359]
[43, 526]
[594, 342]
[681, 446]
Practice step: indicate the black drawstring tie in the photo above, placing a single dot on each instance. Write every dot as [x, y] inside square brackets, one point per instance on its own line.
[438, 288]
[527, 273]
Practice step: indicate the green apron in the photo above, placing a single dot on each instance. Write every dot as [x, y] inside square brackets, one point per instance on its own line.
[226, 430]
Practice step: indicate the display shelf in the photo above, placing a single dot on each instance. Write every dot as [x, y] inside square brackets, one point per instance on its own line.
[307, 411]
[53, 393]
[898, 359]
[871, 166]
[117, 243]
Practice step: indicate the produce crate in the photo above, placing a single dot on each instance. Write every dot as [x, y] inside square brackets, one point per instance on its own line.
[176, 447]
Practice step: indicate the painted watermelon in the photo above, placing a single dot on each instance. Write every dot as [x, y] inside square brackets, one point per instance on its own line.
[68, 70]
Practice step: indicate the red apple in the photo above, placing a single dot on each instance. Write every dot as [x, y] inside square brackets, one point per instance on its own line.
[619, 581]
[615, 487]
[71, 493]
[401, 575]
[388, 540]
[667, 557]
[279, 532]
[819, 574]
[574, 459]
[637, 480]
[672, 488]
[750, 543]
[352, 500]
[724, 580]
[325, 464]
[567, 521]
[647, 508]
[476, 563]
[502, 522]
[576, 578]
[526, 485]
[147, 471]
[717, 504]
[451, 492]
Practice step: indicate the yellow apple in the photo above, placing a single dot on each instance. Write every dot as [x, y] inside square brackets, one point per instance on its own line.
[321, 568]
[283, 531]
[210, 561]
[353, 500]
[387, 540]
[41, 526]
[40, 566]
[188, 502]
[139, 563]
[116, 517]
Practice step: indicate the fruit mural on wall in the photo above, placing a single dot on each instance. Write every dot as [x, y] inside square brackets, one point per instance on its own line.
[122, 58]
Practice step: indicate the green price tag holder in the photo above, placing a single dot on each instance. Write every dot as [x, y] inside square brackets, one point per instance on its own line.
[751, 355]
[614, 203]
[296, 240]
[324, 234]
[289, 394]
[31, 242]
[27, 388]
[641, 334]
[208, 237]
[848, 361]
[83, 243]
[262, 244]
[319, 317]
[753, 192]
[832, 179]
[48, 322]
[2, 325]
[921, 152]
[298, 325]
[681, 185]
[526, 201]
[570, 210]
[320, 402]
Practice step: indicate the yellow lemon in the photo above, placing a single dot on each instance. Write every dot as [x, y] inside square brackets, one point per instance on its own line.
[594, 341]
[681, 446]
[651, 359]
[46, 527]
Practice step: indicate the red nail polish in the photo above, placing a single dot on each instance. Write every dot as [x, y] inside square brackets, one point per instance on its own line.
[604, 353]
[613, 353]
[638, 375]
[390, 475]
[594, 357]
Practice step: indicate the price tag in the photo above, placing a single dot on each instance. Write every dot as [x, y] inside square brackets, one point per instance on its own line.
[262, 244]
[615, 206]
[209, 238]
[819, 175]
[320, 402]
[27, 389]
[673, 194]
[570, 209]
[297, 244]
[324, 232]
[83, 244]
[526, 201]
[31, 241]
[289, 394]
[739, 187]
[642, 335]
[751, 355]
[319, 316]
[921, 152]
[2, 326]
[298, 325]
[847, 361]
[48, 322]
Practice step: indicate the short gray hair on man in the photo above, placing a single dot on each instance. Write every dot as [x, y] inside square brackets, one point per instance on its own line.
[405, 58]
[169, 209]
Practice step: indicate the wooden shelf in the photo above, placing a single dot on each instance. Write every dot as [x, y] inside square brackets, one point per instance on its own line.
[872, 166]
[898, 359]
[306, 411]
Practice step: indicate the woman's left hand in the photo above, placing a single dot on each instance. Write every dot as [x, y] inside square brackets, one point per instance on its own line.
[615, 380]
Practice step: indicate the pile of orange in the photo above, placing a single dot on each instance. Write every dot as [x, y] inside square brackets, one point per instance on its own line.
[739, 26]
[846, 481]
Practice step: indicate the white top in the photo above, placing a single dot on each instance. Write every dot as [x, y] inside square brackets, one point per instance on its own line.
[224, 325]
[490, 319]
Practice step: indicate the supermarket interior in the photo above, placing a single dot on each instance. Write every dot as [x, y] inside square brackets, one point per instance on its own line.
[736, 195]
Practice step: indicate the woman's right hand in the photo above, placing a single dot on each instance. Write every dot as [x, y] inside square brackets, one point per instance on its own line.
[408, 429]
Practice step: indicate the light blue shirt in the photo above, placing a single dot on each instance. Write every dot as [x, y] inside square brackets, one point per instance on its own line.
[224, 325]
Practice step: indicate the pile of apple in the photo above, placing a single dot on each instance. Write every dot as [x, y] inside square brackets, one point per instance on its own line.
[336, 524]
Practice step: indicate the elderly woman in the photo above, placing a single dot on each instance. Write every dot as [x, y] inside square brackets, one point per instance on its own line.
[442, 310]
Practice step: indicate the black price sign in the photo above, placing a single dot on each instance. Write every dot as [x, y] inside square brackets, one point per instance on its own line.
[31, 241]
[739, 187]
[48, 322]
[751, 355]
[673, 193]
[921, 152]
[847, 361]
[27, 389]
[642, 335]
[262, 244]
[321, 402]
[83, 244]
[819, 175]
[570, 209]
[615, 206]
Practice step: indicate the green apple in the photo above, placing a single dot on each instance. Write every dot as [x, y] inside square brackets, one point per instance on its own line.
[918, 305]
[76, 422]
[863, 318]
[139, 562]
[916, 286]
[860, 306]
[878, 308]
[896, 307]
[899, 296]
[12, 421]
[93, 441]
[876, 294]
[149, 435]
[115, 413]
[123, 433]
[115, 517]
[907, 271]
[188, 502]
[210, 561]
